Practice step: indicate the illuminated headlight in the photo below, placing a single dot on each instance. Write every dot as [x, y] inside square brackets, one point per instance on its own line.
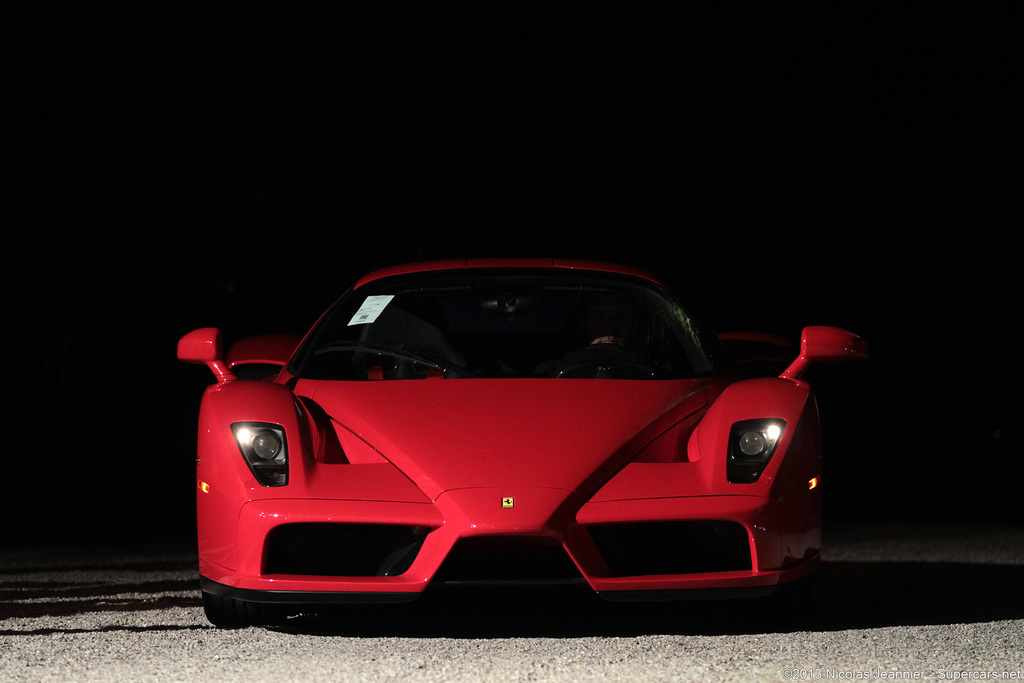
[751, 445]
[265, 451]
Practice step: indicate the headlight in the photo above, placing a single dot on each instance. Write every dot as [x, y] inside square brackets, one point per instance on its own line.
[751, 445]
[265, 451]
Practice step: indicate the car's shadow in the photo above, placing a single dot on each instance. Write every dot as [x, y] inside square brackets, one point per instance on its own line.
[849, 595]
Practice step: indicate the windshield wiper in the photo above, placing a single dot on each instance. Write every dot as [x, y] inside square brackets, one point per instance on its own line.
[399, 351]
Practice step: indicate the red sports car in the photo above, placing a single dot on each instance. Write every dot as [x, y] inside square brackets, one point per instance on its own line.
[513, 420]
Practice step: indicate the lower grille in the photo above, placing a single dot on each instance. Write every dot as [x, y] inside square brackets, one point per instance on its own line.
[672, 547]
[342, 549]
[508, 560]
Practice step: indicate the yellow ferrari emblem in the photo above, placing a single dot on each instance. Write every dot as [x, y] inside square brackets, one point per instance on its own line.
[508, 502]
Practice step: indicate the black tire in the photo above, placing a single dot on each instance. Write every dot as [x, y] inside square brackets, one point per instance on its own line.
[796, 605]
[230, 613]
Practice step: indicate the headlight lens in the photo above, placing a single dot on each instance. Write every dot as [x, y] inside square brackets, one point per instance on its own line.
[266, 445]
[751, 445]
[264, 448]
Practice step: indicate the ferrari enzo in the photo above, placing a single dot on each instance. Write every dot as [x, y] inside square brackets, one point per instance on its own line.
[503, 421]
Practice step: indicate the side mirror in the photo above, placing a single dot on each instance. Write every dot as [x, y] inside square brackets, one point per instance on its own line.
[822, 344]
[205, 347]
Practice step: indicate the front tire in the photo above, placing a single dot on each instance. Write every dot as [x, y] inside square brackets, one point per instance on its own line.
[226, 612]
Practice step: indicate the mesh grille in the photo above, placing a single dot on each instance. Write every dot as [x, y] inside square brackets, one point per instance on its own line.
[255, 371]
[343, 549]
[672, 547]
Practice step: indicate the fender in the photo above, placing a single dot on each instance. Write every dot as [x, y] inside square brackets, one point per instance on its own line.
[791, 481]
[223, 480]
[227, 403]
[754, 399]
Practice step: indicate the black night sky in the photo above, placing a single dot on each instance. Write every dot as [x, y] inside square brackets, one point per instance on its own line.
[779, 165]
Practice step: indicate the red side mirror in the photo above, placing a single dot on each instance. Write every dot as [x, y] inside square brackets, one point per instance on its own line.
[823, 344]
[204, 347]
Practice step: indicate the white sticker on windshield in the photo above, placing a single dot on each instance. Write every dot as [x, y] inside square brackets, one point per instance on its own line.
[371, 309]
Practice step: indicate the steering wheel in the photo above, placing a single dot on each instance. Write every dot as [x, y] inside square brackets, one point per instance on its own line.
[406, 362]
[606, 361]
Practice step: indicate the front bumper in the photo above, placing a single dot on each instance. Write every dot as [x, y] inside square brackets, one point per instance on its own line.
[298, 550]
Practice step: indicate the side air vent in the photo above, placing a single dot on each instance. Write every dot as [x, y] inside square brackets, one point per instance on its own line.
[343, 549]
[692, 547]
[255, 371]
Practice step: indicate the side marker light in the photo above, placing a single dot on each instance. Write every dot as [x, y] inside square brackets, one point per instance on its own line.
[204, 487]
[813, 483]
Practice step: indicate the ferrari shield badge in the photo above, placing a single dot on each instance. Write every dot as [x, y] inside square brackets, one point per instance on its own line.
[508, 503]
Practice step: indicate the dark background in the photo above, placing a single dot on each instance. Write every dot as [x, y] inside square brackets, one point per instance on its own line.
[778, 165]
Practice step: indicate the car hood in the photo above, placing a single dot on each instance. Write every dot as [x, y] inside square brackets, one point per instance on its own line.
[454, 434]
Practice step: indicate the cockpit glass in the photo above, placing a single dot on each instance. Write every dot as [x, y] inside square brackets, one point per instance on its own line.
[493, 324]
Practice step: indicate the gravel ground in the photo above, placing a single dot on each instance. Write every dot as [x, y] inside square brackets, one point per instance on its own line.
[896, 603]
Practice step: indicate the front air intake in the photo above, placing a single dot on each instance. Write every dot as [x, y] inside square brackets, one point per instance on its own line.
[692, 547]
[342, 549]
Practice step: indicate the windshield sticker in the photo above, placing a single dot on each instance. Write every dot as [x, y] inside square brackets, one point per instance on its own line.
[371, 309]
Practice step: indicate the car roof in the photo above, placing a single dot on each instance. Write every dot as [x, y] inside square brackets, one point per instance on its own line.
[460, 264]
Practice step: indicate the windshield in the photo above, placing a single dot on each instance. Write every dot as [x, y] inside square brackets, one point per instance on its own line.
[501, 323]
